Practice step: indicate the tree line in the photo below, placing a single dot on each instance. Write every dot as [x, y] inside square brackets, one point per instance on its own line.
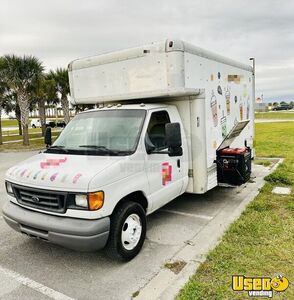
[25, 85]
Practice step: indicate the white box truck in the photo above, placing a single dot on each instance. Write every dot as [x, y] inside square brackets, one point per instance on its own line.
[170, 118]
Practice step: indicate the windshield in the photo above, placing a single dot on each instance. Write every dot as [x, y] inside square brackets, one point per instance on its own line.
[104, 132]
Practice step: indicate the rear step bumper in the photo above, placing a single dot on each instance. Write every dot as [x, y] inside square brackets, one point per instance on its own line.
[76, 234]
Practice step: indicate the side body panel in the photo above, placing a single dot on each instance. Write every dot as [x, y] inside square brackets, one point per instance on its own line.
[228, 99]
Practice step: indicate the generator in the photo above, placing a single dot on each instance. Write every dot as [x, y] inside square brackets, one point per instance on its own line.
[234, 165]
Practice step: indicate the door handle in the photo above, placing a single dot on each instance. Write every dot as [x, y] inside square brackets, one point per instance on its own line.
[178, 163]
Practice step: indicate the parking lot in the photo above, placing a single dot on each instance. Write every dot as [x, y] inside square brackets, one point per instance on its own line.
[31, 269]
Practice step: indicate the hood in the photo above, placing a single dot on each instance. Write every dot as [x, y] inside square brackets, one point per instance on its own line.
[59, 171]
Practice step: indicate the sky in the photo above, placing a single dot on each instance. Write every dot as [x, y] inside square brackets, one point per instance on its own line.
[58, 31]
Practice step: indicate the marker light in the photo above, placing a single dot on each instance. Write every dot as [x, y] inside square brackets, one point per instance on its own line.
[96, 200]
[81, 200]
[9, 189]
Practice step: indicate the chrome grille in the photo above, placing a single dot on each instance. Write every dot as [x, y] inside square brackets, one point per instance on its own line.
[40, 199]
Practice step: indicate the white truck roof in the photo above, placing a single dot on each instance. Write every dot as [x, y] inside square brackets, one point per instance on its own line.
[143, 106]
[149, 71]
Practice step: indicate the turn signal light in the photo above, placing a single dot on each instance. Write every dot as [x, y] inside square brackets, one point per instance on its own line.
[95, 200]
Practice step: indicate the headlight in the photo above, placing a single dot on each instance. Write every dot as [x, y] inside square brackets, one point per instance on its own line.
[9, 188]
[91, 201]
[81, 200]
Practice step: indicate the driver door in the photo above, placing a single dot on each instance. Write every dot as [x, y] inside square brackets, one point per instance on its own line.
[164, 173]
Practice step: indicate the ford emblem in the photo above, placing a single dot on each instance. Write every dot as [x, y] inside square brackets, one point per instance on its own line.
[35, 199]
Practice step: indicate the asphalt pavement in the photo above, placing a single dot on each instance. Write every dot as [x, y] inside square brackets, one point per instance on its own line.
[32, 269]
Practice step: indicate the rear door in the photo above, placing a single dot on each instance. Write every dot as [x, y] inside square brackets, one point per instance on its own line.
[165, 173]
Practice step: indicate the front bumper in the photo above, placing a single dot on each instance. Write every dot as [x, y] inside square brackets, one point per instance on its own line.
[76, 234]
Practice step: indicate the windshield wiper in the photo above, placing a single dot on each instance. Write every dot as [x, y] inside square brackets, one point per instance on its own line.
[102, 148]
[95, 147]
[56, 147]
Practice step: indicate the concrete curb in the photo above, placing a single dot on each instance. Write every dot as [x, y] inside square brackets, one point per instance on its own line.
[166, 284]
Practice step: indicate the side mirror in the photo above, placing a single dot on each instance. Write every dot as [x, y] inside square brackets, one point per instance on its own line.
[174, 139]
[48, 137]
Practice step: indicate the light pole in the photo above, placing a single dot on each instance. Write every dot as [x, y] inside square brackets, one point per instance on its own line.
[253, 108]
[253, 76]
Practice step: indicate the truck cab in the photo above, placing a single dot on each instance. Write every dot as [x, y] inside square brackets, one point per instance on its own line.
[108, 159]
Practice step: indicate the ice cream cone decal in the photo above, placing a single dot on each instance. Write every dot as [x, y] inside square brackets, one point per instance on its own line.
[53, 177]
[241, 111]
[213, 105]
[36, 174]
[228, 101]
[63, 178]
[76, 178]
[23, 172]
[224, 126]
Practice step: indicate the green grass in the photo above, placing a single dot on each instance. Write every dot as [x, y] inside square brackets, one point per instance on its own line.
[275, 115]
[12, 123]
[15, 131]
[261, 241]
[8, 123]
[19, 137]
[35, 133]
[17, 146]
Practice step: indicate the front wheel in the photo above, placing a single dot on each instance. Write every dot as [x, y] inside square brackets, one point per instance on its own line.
[127, 231]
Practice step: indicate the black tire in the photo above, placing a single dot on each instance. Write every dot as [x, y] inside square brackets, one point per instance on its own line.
[33, 126]
[115, 247]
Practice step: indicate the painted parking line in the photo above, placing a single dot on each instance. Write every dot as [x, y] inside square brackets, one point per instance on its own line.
[34, 285]
[176, 212]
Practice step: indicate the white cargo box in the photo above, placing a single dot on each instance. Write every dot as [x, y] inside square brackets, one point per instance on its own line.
[166, 69]
[213, 95]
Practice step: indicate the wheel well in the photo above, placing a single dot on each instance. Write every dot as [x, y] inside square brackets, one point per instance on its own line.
[137, 197]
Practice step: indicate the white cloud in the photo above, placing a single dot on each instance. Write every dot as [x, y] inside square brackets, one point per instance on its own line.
[59, 31]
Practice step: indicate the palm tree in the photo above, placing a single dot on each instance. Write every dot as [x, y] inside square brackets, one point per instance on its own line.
[12, 106]
[20, 74]
[1, 107]
[44, 92]
[60, 77]
[3, 100]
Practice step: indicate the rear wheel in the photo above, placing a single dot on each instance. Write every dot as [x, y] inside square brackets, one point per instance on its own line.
[127, 231]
